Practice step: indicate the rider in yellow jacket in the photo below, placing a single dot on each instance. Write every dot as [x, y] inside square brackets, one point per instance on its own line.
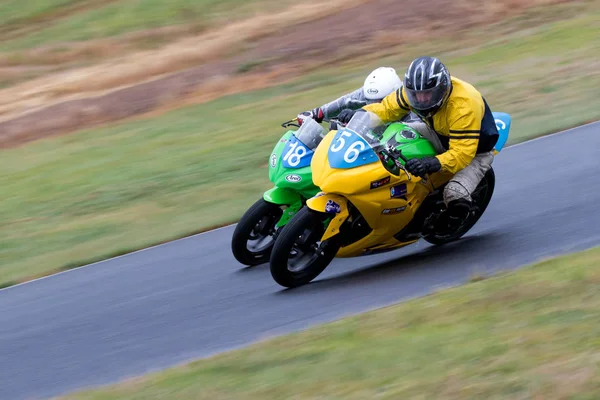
[455, 118]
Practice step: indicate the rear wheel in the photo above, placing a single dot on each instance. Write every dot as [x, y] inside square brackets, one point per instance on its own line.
[254, 235]
[481, 198]
[298, 255]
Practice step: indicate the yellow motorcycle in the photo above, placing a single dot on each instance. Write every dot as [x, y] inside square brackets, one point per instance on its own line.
[368, 203]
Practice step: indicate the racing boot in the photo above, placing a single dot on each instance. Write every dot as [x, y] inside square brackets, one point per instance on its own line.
[456, 214]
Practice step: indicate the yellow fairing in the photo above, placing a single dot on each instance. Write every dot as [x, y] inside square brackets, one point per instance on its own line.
[386, 215]
[318, 204]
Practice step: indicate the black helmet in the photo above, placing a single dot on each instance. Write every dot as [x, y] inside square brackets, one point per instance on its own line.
[427, 85]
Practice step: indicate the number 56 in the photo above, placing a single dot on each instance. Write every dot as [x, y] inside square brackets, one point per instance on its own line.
[352, 152]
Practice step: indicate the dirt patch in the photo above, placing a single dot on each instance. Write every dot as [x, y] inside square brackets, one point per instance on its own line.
[68, 54]
[377, 23]
[137, 67]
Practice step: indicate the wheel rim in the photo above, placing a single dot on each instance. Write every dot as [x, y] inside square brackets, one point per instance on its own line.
[262, 235]
[305, 251]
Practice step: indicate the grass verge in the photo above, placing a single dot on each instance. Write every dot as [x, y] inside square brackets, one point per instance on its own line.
[119, 188]
[56, 21]
[529, 334]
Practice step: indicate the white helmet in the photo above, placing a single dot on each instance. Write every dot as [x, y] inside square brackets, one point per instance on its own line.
[381, 82]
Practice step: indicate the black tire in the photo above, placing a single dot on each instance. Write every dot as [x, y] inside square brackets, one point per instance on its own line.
[481, 197]
[300, 236]
[258, 221]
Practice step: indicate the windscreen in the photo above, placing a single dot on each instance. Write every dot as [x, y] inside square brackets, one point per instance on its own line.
[368, 126]
[310, 133]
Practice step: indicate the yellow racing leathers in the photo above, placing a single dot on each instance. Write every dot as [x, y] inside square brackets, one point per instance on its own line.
[463, 127]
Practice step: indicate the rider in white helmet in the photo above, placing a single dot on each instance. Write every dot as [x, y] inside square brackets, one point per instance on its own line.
[378, 84]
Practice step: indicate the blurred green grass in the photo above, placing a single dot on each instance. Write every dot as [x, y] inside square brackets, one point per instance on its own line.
[12, 11]
[530, 334]
[113, 18]
[82, 197]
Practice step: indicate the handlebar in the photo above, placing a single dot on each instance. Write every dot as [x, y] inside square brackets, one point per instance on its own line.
[290, 123]
[334, 124]
[397, 153]
[293, 122]
[391, 153]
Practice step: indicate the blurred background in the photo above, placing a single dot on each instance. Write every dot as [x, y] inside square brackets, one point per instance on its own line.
[124, 123]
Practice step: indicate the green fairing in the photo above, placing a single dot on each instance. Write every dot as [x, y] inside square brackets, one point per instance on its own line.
[302, 187]
[416, 147]
[289, 198]
[277, 150]
[281, 196]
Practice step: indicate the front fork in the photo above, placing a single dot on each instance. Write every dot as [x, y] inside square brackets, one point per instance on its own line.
[288, 213]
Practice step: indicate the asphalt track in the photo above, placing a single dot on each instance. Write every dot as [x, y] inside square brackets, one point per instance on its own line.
[190, 298]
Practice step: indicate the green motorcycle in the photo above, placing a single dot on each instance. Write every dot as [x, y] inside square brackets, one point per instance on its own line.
[290, 172]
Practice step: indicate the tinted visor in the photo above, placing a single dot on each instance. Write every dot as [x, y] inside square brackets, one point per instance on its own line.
[425, 99]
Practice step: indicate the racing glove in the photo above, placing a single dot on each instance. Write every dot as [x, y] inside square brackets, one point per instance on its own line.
[422, 166]
[316, 114]
[346, 115]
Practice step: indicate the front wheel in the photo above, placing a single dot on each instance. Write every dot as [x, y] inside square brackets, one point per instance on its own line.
[299, 256]
[481, 198]
[254, 234]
